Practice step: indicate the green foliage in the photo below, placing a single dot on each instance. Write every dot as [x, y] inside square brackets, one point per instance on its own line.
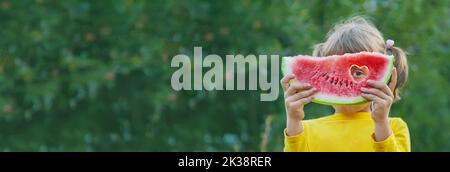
[95, 76]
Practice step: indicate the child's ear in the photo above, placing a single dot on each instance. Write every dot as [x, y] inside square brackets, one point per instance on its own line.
[393, 81]
[395, 94]
[393, 84]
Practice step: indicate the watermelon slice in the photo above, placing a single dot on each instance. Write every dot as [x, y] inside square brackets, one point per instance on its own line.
[338, 78]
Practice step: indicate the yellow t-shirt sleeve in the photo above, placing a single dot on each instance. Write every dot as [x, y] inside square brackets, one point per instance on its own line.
[297, 143]
[398, 141]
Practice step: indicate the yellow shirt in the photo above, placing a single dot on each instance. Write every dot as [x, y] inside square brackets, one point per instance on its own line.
[347, 133]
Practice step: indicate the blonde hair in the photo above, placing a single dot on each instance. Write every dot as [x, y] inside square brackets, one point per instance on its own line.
[356, 35]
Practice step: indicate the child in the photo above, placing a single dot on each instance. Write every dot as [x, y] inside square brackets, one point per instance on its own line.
[365, 127]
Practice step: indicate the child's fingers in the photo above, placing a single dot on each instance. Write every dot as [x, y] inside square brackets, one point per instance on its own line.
[285, 81]
[382, 86]
[372, 97]
[299, 85]
[301, 94]
[296, 87]
[376, 92]
[301, 102]
[393, 82]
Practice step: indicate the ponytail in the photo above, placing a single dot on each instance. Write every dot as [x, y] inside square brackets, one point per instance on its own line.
[401, 64]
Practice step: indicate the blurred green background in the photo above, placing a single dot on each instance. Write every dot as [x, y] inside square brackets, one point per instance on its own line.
[95, 75]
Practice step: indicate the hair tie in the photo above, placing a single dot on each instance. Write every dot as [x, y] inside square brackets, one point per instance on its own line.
[389, 44]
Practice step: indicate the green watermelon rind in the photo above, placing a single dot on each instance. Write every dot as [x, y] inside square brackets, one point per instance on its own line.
[333, 101]
[284, 65]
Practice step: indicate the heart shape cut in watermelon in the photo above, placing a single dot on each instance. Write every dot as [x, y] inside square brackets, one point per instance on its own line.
[339, 78]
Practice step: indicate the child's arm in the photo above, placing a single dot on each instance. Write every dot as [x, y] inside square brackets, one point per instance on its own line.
[398, 141]
[296, 95]
[382, 97]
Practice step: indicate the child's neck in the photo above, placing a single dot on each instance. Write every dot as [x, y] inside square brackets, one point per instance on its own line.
[352, 109]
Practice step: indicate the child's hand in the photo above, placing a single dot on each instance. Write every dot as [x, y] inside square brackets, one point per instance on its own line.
[296, 95]
[382, 97]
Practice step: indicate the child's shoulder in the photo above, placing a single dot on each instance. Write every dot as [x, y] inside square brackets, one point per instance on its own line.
[394, 121]
[397, 121]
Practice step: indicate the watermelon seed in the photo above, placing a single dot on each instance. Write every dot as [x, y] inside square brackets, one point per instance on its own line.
[315, 74]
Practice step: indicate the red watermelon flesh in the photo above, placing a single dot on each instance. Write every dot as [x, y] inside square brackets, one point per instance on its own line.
[339, 78]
